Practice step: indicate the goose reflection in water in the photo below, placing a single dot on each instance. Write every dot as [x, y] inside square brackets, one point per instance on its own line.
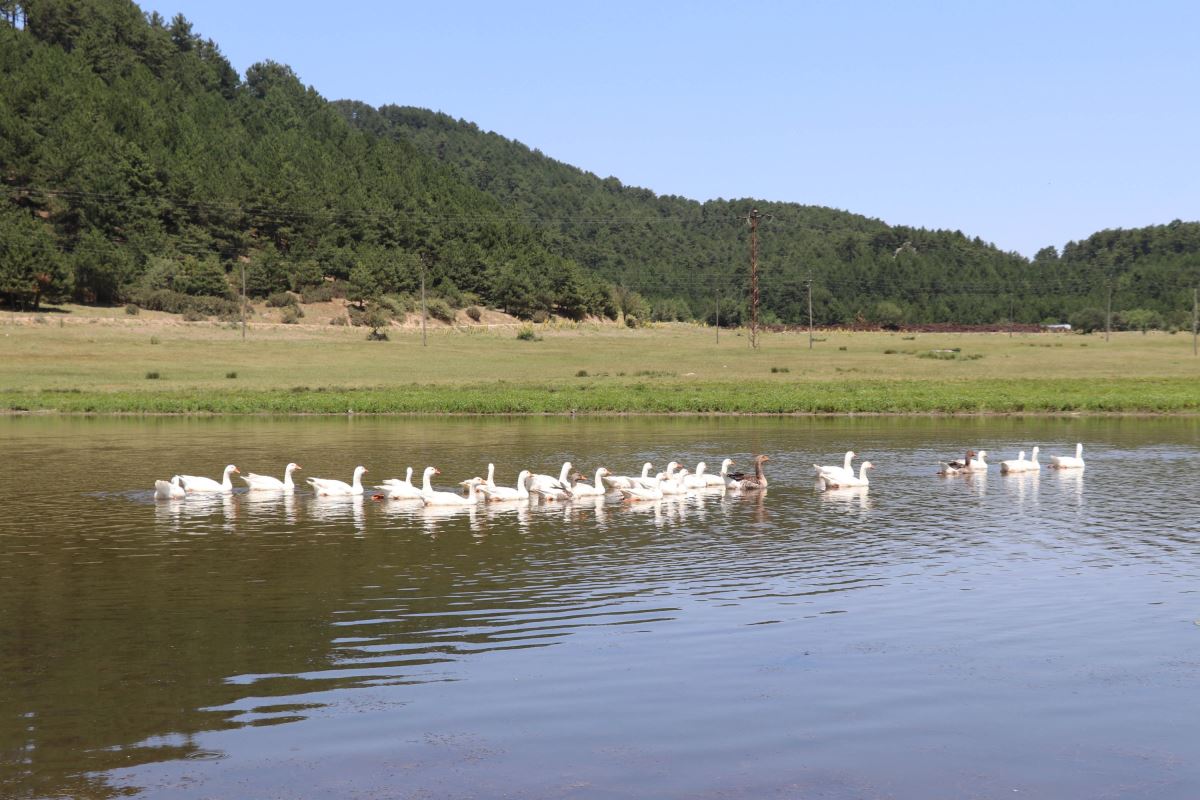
[434, 516]
[500, 510]
[1070, 484]
[337, 509]
[198, 506]
[850, 498]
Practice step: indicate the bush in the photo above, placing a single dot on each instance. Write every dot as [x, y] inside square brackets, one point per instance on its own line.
[631, 321]
[583, 373]
[178, 303]
[888, 315]
[339, 320]
[525, 334]
[398, 304]
[231, 375]
[282, 300]
[1087, 320]
[439, 309]
[152, 376]
[132, 310]
[323, 293]
[291, 315]
[474, 313]
[780, 369]
[191, 315]
[1142, 319]
[540, 316]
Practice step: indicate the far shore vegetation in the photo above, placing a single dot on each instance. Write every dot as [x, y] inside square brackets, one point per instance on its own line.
[90, 360]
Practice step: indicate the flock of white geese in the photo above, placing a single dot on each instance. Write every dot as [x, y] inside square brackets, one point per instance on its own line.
[530, 486]
[569, 484]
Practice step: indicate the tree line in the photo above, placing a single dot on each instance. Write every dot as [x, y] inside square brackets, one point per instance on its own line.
[138, 166]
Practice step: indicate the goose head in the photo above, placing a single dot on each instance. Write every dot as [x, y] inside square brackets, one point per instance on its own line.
[1035, 454]
[646, 469]
[701, 467]
[726, 464]
[359, 471]
[292, 467]
[231, 468]
[671, 467]
[982, 455]
[523, 477]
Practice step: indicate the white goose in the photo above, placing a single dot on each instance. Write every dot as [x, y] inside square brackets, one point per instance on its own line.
[626, 481]
[169, 490]
[197, 483]
[267, 483]
[1021, 464]
[845, 470]
[594, 489]
[828, 481]
[958, 466]
[499, 494]
[433, 498]
[978, 464]
[396, 489]
[673, 484]
[491, 478]
[328, 487]
[1069, 462]
[550, 488]
[713, 481]
[653, 492]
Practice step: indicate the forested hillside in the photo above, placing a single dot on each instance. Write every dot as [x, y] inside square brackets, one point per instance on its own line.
[138, 166]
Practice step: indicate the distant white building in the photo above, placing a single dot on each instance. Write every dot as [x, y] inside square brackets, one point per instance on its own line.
[1061, 327]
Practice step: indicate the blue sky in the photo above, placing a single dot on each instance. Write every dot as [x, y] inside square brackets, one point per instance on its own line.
[1024, 123]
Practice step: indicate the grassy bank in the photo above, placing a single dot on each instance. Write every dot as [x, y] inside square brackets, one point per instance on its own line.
[84, 362]
[832, 397]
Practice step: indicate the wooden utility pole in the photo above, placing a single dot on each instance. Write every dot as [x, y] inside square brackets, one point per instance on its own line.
[717, 310]
[243, 300]
[753, 218]
[810, 321]
[424, 343]
[1108, 314]
[1195, 316]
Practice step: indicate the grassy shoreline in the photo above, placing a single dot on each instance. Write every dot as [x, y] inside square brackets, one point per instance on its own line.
[970, 397]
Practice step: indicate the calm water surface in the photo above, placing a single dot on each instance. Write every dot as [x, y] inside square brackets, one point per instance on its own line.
[999, 636]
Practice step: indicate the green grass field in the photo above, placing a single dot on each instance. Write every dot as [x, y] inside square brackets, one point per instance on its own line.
[90, 360]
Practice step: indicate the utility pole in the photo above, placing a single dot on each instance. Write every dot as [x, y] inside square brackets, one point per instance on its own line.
[1108, 313]
[424, 343]
[1195, 316]
[243, 304]
[810, 327]
[717, 309]
[753, 218]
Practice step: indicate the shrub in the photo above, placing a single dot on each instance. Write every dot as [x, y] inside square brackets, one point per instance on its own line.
[152, 376]
[474, 313]
[377, 335]
[191, 315]
[131, 309]
[583, 373]
[231, 375]
[339, 320]
[780, 369]
[398, 304]
[179, 303]
[540, 316]
[282, 300]
[1087, 320]
[153, 340]
[291, 315]
[439, 309]
[525, 334]
[324, 292]
[1142, 319]
[631, 321]
[888, 315]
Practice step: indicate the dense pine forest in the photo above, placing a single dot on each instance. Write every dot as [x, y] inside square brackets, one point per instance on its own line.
[138, 167]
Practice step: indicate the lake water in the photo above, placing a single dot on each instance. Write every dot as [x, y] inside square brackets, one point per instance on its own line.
[985, 637]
